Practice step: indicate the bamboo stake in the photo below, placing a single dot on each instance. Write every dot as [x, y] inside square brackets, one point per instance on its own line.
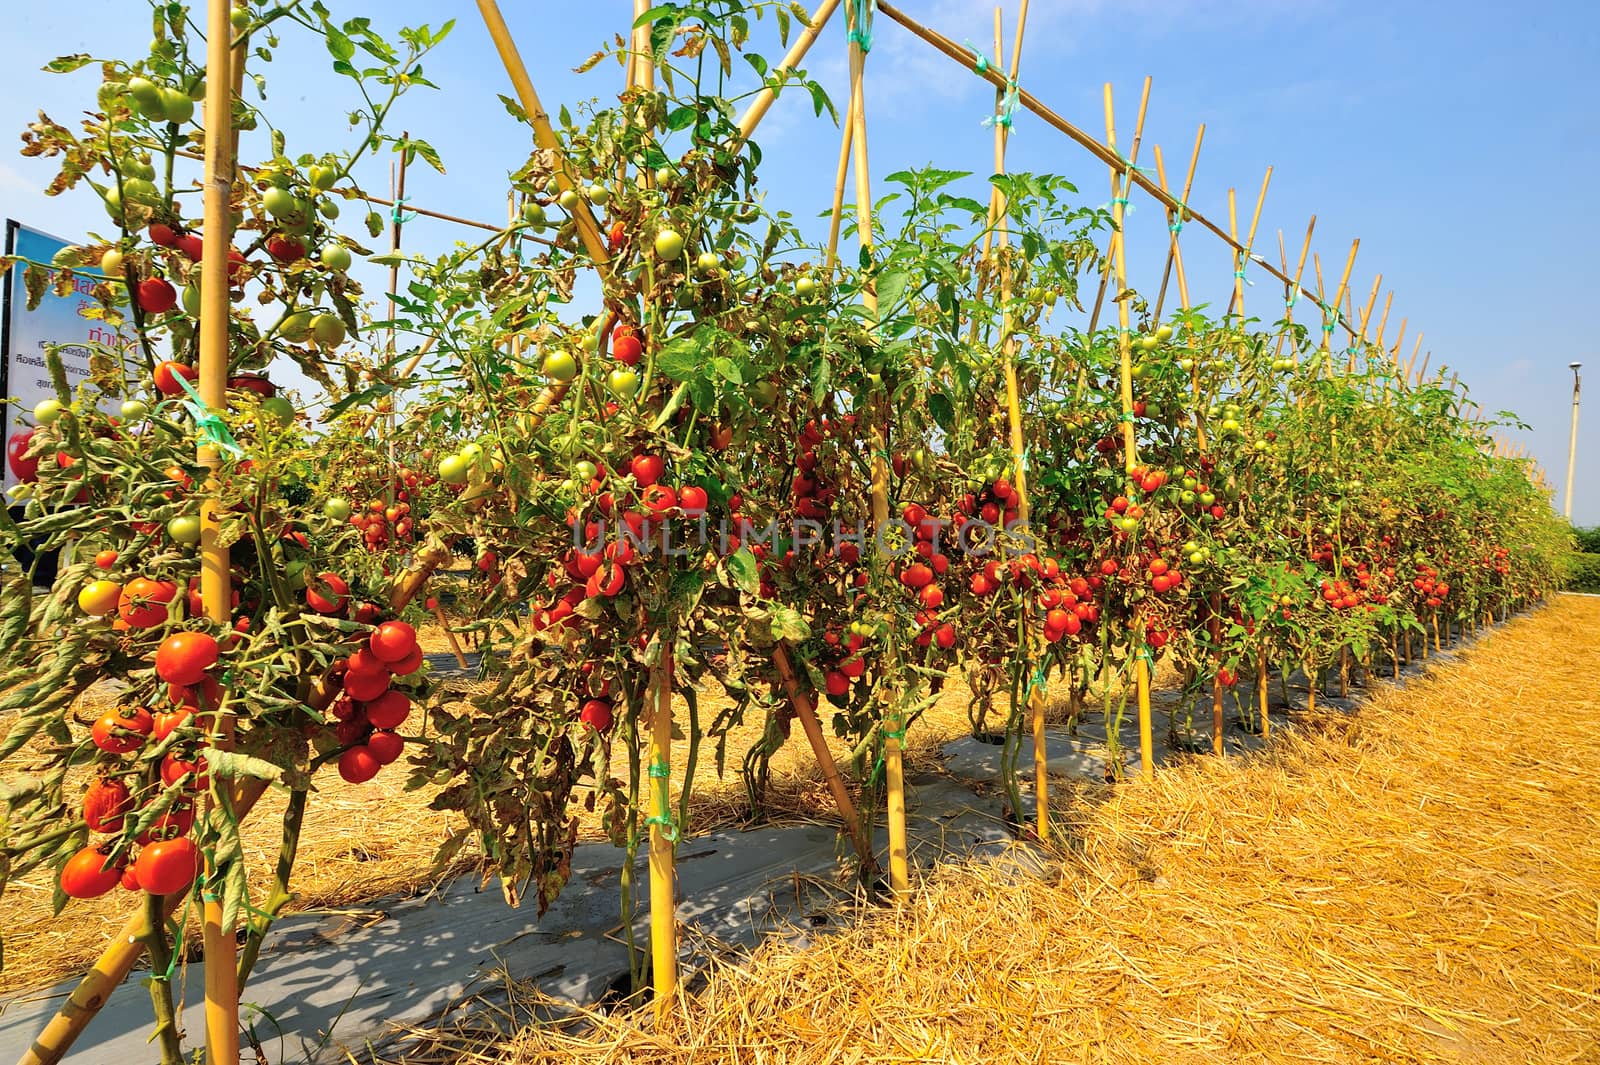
[1338, 297]
[894, 771]
[663, 904]
[544, 135]
[1133, 158]
[819, 746]
[845, 140]
[663, 832]
[1141, 669]
[1242, 257]
[758, 107]
[1106, 154]
[1175, 221]
[998, 212]
[221, 949]
[1383, 323]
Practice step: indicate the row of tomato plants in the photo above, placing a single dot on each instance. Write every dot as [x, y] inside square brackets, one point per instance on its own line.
[729, 454]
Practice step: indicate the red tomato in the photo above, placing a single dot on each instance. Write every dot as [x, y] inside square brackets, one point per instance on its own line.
[176, 820]
[174, 769]
[385, 747]
[393, 641]
[326, 594]
[693, 499]
[596, 713]
[168, 372]
[168, 866]
[26, 469]
[837, 683]
[366, 685]
[156, 296]
[123, 729]
[184, 657]
[389, 710]
[647, 469]
[358, 765]
[162, 235]
[143, 603]
[407, 665]
[105, 559]
[625, 346]
[90, 873]
[105, 805]
[659, 498]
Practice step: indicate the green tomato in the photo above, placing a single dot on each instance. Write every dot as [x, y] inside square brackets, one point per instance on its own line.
[184, 529]
[280, 203]
[46, 411]
[1190, 483]
[336, 257]
[111, 264]
[472, 451]
[1164, 334]
[296, 327]
[140, 190]
[176, 105]
[585, 471]
[1195, 558]
[453, 469]
[560, 366]
[568, 200]
[327, 208]
[322, 177]
[1230, 425]
[707, 262]
[669, 244]
[134, 410]
[1207, 498]
[597, 194]
[624, 383]
[763, 394]
[1186, 364]
[665, 176]
[191, 300]
[337, 508]
[327, 330]
[278, 409]
[805, 286]
[146, 96]
[1186, 497]
[533, 214]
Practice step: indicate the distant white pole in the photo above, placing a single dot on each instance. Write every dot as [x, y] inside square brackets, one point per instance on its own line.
[1572, 441]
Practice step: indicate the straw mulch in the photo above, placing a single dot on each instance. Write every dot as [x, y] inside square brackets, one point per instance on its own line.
[362, 843]
[1416, 883]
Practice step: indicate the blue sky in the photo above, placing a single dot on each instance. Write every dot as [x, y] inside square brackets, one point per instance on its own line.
[1458, 141]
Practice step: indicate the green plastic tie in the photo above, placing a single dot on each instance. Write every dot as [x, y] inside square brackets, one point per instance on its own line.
[660, 772]
[396, 216]
[1327, 327]
[860, 32]
[981, 64]
[210, 424]
[1006, 111]
[1126, 418]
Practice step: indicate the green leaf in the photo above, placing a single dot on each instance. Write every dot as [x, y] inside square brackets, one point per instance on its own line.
[340, 46]
[787, 624]
[680, 358]
[681, 118]
[742, 567]
[943, 411]
[66, 64]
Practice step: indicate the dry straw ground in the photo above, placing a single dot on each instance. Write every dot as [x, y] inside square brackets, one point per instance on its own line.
[1417, 883]
[361, 843]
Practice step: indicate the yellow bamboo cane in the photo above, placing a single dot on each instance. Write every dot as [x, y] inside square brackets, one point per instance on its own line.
[894, 772]
[1119, 265]
[221, 949]
[998, 209]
